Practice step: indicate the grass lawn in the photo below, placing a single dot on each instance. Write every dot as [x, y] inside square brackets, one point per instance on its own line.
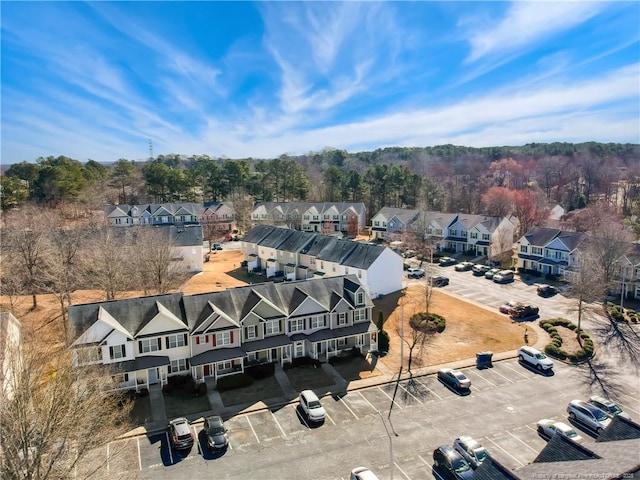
[141, 411]
[355, 368]
[302, 378]
[259, 390]
[183, 402]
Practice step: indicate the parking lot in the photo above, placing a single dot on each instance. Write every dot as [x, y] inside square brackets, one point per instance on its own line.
[501, 412]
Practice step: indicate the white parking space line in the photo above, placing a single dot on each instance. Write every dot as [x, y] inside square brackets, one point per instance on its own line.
[279, 426]
[432, 391]
[200, 447]
[518, 371]
[506, 378]
[139, 456]
[424, 461]
[483, 379]
[363, 397]
[524, 443]
[348, 408]
[390, 398]
[252, 429]
[166, 434]
[505, 451]
[329, 417]
[402, 471]
[414, 397]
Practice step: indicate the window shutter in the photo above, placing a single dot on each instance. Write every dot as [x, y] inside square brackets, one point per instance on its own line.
[126, 377]
[140, 347]
[197, 340]
[159, 343]
[187, 363]
[169, 367]
[166, 342]
[255, 330]
[206, 339]
[186, 342]
[213, 340]
[231, 336]
[110, 352]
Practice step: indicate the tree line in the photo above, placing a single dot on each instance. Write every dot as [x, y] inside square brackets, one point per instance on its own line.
[443, 178]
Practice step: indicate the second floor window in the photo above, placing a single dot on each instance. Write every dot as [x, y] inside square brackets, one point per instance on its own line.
[342, 319]
[251, 332]
[296, 325]
[485, 236]
[117, 351]
[523, 249]
[536, 250]
[174, 341]
[149, 345]
[224, 338]
[359, 315]
[317, 322]
[360, 298]
[474, 235]
[272, 326]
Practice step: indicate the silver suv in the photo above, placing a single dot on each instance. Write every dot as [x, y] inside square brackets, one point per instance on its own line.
[310, 405]
[588, 415]
[535, 358]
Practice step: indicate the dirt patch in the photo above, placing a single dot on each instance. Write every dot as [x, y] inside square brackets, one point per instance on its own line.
[570, 343]
[470, 328]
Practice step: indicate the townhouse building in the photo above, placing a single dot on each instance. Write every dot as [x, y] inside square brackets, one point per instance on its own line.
[282, 252]
[480, 235]
[548, 251]
[323, 217]
[218, 216]
[145, 340]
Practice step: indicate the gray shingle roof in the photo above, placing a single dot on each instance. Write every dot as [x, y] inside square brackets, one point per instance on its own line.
[540, 236]
[492, 469]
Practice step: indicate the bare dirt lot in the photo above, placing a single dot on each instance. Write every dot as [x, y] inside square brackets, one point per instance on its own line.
[469, 328]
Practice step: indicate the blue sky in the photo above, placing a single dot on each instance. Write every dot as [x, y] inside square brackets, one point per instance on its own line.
[238, 79]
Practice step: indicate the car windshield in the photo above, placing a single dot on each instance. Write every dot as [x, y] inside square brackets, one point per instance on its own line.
[314, 404]
[217, 430]
[460, 465]
[599, 414]
[459, 375]
[540, 356]
[481, 454]
[571, 433]
[615, 409]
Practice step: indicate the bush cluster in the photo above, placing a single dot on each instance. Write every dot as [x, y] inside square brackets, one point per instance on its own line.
[261, 371]
[231, 382]
[423, 322]
[180, 383]
[554, 348]
[383, 341]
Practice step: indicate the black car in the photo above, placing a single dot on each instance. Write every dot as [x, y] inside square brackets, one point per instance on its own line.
[546, 290]
[439, 281]
[216, 432]
[447, 460]
[524, 311]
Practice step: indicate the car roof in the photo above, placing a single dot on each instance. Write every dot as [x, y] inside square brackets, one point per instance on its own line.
[364, 473]
[602, 400]
[214, 420]
[309, 395]
[468, 441]
[581, 403]
[180, 424]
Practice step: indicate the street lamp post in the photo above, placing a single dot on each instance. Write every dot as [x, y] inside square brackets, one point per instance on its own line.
[390, 445]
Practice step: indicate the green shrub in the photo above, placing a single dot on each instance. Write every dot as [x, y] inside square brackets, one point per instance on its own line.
[201, 389]
[306, 362]
[383, 341]
[554, 351]
[439, 321]
[238, 380]
[258, 372]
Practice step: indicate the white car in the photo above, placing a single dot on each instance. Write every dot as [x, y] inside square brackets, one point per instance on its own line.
[548, 428]
[362, 473]
[535, 358]
[311, 406]
[471, 450]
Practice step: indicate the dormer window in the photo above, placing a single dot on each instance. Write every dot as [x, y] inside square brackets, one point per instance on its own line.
[360, 298]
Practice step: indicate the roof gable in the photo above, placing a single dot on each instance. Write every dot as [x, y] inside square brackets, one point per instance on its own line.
[163, 321]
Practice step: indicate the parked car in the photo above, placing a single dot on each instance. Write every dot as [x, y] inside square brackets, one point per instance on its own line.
[588, 415]
[439, 281]
[311, 406]
[454, 379]
[508, 307]
[446, 261]
[362, 473]
[490, 273]
[471, 450]
[607, 406]
[503, 276]
[217, 246]
[535, 358]
[545, 290]
[548, 428]
[216, 432]
[415, 273]
[446, 458]
[180, 434]
[524, 311]
[480, 270]
[463, 266]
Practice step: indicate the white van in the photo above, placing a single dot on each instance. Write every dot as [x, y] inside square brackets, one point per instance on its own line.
[503, 276]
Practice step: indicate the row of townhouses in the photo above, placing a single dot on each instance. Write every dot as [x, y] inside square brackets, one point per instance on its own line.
[323, 217]
[548, 251]
[147, 339]
[217, 214]
[295, 255]
[455, 232]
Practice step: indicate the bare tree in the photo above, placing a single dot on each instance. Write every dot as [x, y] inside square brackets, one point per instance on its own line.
[107, 265]
[25, 246]
[53, 415]
[157, 260]
[242, 208]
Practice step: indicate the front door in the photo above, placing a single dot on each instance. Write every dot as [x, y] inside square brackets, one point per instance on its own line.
[152, 375]
[299, 349]
[274, 354]
[207, 370]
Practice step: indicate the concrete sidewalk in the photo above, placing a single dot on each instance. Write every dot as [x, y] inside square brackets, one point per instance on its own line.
[289, 396]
